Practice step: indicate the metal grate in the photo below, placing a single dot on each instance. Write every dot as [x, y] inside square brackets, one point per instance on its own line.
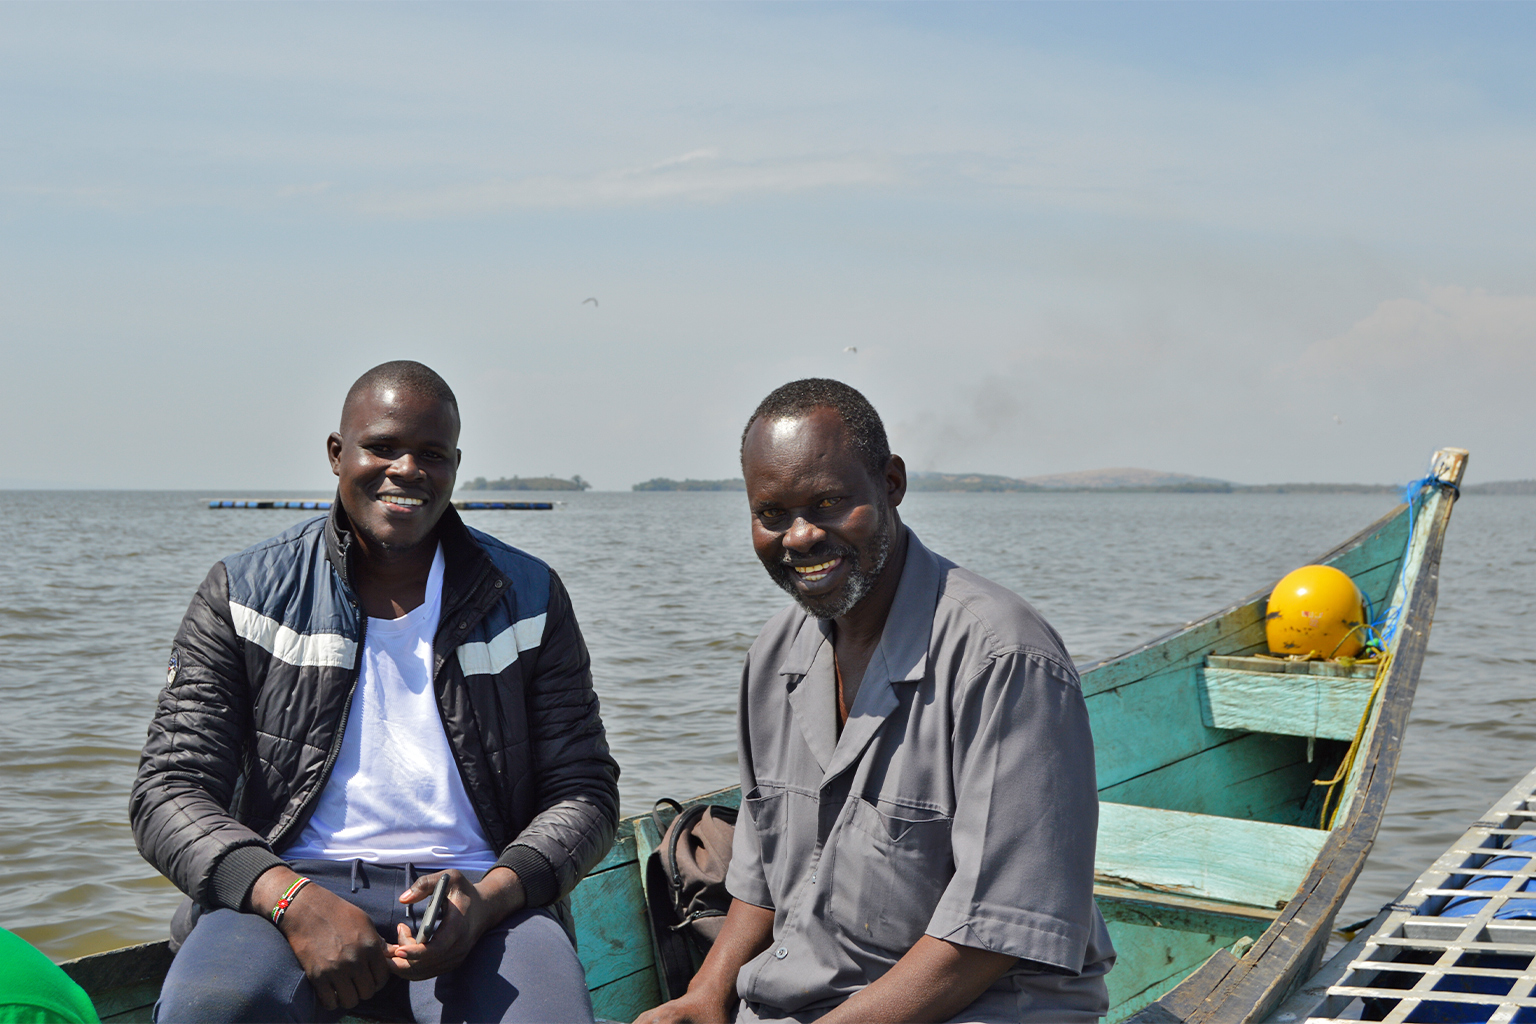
[1411, 965]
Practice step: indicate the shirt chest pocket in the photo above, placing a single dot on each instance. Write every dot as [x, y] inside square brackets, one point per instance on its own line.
[770, 808]
[892, 866]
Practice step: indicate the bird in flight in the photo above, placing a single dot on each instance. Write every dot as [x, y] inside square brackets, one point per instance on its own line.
[852, 348]
[593, 301]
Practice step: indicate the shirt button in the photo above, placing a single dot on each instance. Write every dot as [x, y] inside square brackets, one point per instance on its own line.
[781, 952]
[813, 878]
[463, 625]
[498, 584]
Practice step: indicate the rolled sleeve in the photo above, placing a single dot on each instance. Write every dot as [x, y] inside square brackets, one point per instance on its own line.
[1026, 815]
[745, 878]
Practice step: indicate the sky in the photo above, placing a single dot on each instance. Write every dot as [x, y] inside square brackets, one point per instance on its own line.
[1258, 242]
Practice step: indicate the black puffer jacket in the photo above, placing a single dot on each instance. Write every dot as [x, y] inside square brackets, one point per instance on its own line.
[261, 679]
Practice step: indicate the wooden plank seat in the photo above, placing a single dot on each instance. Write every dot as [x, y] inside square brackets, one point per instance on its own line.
[1203, 856]
[1325, 700]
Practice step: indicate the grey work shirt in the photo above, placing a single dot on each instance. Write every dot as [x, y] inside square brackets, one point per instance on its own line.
[959, 802]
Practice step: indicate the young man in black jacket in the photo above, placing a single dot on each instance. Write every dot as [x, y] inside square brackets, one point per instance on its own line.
[356, 707]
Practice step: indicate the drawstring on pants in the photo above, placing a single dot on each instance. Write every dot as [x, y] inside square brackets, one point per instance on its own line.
[410, 880]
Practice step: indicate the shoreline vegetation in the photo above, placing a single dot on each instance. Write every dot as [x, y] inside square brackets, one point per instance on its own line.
[526, 483]
[1118, 481]
[662, 483]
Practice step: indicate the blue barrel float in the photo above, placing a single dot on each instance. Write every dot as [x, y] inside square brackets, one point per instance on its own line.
[323, 504]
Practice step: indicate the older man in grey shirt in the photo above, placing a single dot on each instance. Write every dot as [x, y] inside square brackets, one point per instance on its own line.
[919, 805]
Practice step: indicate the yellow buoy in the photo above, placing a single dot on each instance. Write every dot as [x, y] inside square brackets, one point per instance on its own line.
[1315, 608]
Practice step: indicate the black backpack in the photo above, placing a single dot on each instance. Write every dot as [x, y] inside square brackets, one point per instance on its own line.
[685, 887]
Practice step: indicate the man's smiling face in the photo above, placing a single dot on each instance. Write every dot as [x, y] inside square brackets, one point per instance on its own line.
[822, 523]
[396, 457]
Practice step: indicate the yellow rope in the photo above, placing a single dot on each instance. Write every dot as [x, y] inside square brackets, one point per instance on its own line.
[1324, 821]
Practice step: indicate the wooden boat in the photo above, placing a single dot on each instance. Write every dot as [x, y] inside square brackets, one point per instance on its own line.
[1218, 884]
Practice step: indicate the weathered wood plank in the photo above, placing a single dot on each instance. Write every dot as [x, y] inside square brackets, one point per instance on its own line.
[1263, 777]
[1176, 650]
[1277, 666]
[136, 1015]
[647, 839]
[611, 927]
[1184, 1000]
[1378, 584]
[1155, 957]
[1137, 729]
[127, 1000]
[1257, 863]
[1172, 910]
[117, 968]
[626, 998]
[1290, 704]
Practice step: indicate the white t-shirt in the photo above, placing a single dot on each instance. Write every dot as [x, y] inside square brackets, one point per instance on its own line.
[395, 795]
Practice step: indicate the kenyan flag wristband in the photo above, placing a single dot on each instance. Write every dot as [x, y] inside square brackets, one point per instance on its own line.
[282, 905]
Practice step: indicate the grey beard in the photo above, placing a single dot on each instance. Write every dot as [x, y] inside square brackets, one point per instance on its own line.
[855, 589]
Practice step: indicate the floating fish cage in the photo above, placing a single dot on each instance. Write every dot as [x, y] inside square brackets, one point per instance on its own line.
[1458, 945]
[322, 504]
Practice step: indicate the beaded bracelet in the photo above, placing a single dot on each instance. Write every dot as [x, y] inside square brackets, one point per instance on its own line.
[282, 904]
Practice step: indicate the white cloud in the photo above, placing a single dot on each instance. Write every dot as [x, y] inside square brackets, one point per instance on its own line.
[700, 176]
[1449, 325]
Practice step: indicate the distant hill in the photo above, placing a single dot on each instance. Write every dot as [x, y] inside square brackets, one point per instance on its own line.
[662, 483]
[1320, 488]
[966, 482]
[1121, 479]
[1125, 479]
[1091, 480]
[1502, 487]
[525, 483]
[1129, 479]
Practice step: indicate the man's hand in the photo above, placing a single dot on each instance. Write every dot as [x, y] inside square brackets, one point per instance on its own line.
[933, 982]
[692, 1007]
[471, 910]
[336, 943]
[711, 995]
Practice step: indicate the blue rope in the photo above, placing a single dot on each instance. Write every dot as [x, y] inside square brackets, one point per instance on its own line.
[1385, 629]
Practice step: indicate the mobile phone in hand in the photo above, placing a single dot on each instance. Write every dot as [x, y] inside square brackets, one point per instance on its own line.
[433, 916]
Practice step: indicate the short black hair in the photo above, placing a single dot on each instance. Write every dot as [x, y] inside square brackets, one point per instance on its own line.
[406, 375]
[798, 397]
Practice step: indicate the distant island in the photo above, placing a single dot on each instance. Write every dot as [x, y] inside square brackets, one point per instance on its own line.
[662, 483]
[526, 483]
[1502, 487]
[1121, 480]
[1132, 480]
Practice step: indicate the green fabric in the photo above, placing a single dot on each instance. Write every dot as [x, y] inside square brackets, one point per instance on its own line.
[33, 990]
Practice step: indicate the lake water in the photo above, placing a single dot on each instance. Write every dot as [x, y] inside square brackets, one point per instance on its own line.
[93, 584]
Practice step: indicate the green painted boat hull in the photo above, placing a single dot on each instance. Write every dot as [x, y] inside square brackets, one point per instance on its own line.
[1217, 883]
